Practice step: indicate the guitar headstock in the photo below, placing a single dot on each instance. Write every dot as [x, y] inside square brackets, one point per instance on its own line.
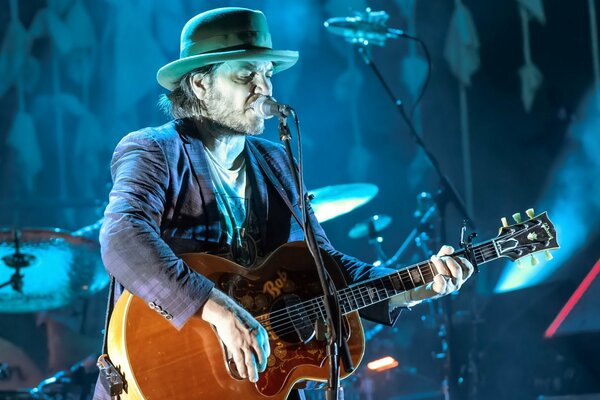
[525, 238]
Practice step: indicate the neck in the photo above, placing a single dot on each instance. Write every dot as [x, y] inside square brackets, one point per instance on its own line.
[224, 144]
[372, 291]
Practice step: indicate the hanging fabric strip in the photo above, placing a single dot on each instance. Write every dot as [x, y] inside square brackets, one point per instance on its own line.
[462, 54]
[530, 75]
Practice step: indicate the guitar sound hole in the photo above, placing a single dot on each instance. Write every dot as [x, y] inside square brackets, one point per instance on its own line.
[291, 320]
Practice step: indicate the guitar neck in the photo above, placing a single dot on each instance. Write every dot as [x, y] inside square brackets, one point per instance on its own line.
[366, 293]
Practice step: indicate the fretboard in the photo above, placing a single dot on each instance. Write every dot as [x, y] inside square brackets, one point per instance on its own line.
[366, 293]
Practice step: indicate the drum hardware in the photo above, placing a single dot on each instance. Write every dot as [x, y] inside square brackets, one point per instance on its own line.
[371, 229]
[5, 371]
[76, 382]
[17, 260]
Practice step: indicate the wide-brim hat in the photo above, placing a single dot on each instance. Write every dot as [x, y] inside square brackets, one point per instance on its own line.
[224, 34]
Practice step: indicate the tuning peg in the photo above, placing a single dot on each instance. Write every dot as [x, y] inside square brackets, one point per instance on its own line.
[504, 222]
[517, 218]
[548, 255]
[534, 260]
[530, 213]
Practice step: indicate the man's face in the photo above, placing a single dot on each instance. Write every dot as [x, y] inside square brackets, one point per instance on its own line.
[231, 90]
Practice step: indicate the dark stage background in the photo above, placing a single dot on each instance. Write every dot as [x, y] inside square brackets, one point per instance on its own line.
[77, 75]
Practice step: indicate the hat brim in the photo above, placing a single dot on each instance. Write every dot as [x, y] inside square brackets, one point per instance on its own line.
[169, 75]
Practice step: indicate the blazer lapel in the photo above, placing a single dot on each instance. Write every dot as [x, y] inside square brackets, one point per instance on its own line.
[196, 153]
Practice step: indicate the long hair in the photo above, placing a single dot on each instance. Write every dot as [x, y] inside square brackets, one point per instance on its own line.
[181, 102]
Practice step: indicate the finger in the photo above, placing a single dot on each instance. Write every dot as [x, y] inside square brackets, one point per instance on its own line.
[445, 251]
[440, 284]
[240, 364]
[251, 365]
[263, 338]
[450, 286]
[259, 352]
[440, 266]
[467, 267]
[455, 270]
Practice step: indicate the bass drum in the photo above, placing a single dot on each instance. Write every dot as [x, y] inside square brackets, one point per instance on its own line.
[18, 371]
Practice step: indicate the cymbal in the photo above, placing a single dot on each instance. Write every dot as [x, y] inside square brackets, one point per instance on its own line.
[362, 229]
[54, 268]
[332, 201]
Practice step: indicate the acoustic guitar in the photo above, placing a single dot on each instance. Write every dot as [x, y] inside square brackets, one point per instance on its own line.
[158, 361]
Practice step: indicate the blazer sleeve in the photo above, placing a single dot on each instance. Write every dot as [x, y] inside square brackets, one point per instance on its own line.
[358, 271]
[131, 246]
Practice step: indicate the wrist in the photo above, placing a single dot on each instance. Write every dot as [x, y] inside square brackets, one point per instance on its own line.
[404, 299]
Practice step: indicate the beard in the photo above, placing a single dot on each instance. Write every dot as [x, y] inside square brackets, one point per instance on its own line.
[222, 114]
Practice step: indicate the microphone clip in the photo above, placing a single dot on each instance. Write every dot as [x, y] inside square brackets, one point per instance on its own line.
[284, 129]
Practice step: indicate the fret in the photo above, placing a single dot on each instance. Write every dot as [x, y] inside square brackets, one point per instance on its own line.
[427, 274]
[345, 302]
[386, 295]
[373, 292]
[356, 298]
[431, 268]
[392, 285]
[407, 280]
[347, 294]
[368, 290]
[377, 291]
[399, 276]
[362, 297]
[420, 273]
[319, 302]
[411, 279]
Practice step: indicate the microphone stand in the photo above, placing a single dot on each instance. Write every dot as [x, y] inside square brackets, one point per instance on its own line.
[445, 195]
[337, 347]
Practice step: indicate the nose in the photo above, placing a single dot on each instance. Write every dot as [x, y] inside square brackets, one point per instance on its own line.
[262, 85]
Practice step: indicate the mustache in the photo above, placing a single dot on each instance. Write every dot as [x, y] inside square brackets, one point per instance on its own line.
[252, 99]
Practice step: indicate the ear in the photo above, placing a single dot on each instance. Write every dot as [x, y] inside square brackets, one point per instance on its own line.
[198, 84]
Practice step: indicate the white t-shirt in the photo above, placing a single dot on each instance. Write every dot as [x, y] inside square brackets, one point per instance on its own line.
[231, 193]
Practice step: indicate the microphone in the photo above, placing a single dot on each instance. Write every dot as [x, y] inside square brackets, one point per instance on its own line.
[365, 28]
[267, 107]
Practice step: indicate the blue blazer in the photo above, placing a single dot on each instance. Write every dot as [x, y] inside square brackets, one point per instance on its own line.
[162, 204]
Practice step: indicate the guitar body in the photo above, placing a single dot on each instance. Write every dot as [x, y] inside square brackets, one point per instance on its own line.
[160, 362]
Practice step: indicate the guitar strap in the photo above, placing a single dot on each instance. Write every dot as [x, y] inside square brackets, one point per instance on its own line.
[109, 309]
[110, 377]
[274, 180]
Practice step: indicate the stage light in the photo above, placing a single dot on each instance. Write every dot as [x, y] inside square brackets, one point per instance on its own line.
[570, 304]
[382, 364]
[571, 199]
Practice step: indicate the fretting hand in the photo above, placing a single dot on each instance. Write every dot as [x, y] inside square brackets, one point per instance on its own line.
[452, 272]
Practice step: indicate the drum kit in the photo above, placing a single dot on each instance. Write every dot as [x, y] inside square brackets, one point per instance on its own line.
[47, 269]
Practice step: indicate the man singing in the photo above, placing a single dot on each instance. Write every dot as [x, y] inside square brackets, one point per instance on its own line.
[198, 184]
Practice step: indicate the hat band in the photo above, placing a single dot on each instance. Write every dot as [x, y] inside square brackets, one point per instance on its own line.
[222, 42]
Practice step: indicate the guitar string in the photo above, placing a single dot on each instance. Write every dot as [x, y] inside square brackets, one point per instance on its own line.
[320, 310]
[291, 316]
[280, 321]
[290, 324]
[356, 288]
[317, 304]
